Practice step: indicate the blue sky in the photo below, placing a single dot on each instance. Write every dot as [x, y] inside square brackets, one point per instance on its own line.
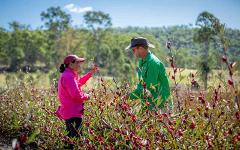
[151, 13]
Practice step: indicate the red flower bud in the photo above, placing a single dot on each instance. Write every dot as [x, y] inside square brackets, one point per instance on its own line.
[170, 129]
[192, 75]
[193, 124]
[125, 106]
[87, 124]
[210, 144]
[129, 113]
[201, 99]
[237, 114]
[147, 103]
[179, 133]
[164, 115]
[175, 70]
[134, 118]
[144, 85]
[172, 65]
[116, 129]
[230, 82]
[184, 120]
[23, 138]
[194, 82]
[224, 58]
[91, 131]
[236, 138]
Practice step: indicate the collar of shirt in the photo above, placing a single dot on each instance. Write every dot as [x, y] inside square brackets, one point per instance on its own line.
[71, 71]
[146, 59]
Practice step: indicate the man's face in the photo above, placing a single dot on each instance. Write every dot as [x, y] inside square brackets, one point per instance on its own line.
[138, 51]
[135, 51]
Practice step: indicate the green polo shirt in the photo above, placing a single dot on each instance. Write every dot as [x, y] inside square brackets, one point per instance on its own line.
[152, 71]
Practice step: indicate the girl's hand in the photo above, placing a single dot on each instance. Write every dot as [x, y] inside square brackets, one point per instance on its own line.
[94, 69]
[89, 96]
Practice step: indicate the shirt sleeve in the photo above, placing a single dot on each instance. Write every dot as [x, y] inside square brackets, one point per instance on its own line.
[73, 89]
[137, 93]
[83, 79]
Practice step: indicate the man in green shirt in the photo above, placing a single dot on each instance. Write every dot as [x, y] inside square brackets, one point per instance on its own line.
[153, 86]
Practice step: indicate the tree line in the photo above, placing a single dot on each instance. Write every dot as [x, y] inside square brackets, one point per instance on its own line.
[195, 47]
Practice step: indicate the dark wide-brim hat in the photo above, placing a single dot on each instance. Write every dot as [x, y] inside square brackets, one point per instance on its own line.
[139, 41]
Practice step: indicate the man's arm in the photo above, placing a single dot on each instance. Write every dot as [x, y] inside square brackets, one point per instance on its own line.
[137, 93]
[164, 89]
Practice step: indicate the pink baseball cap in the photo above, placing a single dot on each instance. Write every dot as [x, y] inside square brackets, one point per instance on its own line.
[70, 58]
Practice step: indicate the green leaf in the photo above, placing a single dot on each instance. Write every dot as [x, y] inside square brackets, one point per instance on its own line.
[33, 136]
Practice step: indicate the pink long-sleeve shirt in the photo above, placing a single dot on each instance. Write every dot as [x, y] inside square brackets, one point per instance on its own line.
[70, 94]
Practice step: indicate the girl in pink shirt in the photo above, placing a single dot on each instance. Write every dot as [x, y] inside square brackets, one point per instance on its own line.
[70, 94]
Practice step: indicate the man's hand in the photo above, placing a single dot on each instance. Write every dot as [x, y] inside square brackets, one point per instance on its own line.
[148, 93]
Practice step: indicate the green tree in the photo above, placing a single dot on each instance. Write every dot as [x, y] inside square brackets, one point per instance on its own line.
[22, 46]
[56, 21]
[73, 41]
[15, 48]
[4, 37]
[34, 44]
[208, 24]
[98, 22]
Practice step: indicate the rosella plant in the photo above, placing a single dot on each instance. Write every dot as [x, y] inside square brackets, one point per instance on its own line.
[207, 120]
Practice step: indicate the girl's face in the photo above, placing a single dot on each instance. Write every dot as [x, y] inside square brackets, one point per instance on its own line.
[75, 65]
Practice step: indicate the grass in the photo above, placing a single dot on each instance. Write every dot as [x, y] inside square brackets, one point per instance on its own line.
[215, 76]
[41, 80]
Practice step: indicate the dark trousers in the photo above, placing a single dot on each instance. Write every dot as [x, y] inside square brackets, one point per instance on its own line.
[72, 126]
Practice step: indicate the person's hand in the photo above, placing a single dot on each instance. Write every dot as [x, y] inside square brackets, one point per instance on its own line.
[94, 69]
[148, 93]
[89, 96]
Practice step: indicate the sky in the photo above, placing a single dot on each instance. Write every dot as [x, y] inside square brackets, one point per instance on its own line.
[142, 13]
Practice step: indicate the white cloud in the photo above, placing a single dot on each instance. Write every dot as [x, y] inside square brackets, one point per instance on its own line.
[76, 9]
